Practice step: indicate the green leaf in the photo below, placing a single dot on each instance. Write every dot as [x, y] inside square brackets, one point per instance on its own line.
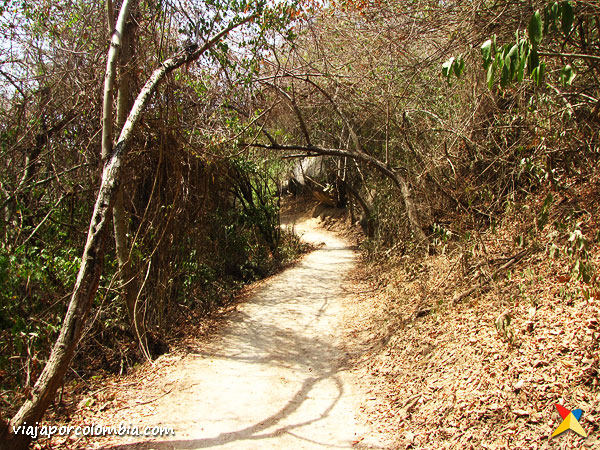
[499, 59]
[486, 52]
[567, 74]
[505, 77]
[554, 14]
[490, 75]
[523, 55]
[550, 16]
[567, 16]
[521, 69]
[537, 74]
[512, 59]
[533, 61]
[459, 66]
[535, 28]
[447, 69]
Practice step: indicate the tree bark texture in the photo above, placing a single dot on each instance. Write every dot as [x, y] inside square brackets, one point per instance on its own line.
[127, 282]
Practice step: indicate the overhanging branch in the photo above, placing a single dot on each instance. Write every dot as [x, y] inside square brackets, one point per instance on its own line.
[398, 180]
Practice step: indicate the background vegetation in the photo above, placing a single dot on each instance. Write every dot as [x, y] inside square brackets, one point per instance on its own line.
[202, 217]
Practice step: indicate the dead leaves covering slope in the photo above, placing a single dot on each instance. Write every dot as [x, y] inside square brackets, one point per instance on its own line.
[484, 373]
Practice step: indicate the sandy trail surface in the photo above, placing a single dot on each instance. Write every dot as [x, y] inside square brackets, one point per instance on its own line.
[274, 376]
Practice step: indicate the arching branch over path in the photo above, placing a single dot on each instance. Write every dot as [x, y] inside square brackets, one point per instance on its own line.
[398, 179]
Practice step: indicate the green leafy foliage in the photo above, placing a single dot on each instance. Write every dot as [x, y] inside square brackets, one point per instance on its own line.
[487, 51]
[570, 241]
[537, 74]
[556, 13]
[567, 17]
[441, 235]
[534, 29]
[454, 66]
[174, 195]
[510, 60]
[32, 280]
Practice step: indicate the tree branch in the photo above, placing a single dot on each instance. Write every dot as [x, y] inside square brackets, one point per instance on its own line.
[90, 269]
[398, 180]
[570, 55]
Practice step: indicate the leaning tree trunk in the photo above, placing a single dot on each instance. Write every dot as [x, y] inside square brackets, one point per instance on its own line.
[87, 281]
[90, 270]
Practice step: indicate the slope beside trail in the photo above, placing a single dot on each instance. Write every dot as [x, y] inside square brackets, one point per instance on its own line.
[274, 377]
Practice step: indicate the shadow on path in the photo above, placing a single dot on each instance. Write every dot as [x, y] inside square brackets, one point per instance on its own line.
[274, 371]
[252, 432]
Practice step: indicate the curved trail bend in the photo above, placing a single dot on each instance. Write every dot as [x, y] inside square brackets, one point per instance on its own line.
[273, 377]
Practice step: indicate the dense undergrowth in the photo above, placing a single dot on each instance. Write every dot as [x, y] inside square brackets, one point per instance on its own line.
[193, 218]
[189, 264]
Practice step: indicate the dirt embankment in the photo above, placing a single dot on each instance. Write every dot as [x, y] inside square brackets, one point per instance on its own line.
[486, 371]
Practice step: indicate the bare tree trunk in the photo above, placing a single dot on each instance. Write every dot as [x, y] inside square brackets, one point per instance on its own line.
[127, 282]
[88, 277]
[90, 270]
[111, 73]
[367, 215]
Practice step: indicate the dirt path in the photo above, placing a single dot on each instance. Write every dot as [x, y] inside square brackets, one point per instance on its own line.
[273, 378]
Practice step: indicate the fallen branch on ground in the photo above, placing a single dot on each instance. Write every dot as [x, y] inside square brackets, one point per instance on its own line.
[513, 260]
[146, 402]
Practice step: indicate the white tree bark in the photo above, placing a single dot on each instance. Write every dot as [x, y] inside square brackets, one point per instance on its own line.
[127, 282]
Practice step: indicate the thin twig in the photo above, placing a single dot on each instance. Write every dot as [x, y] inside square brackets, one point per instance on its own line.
[42, 222]
[145, 403]
[571, 55]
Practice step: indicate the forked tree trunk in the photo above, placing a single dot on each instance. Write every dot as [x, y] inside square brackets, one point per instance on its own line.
[90, 270]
